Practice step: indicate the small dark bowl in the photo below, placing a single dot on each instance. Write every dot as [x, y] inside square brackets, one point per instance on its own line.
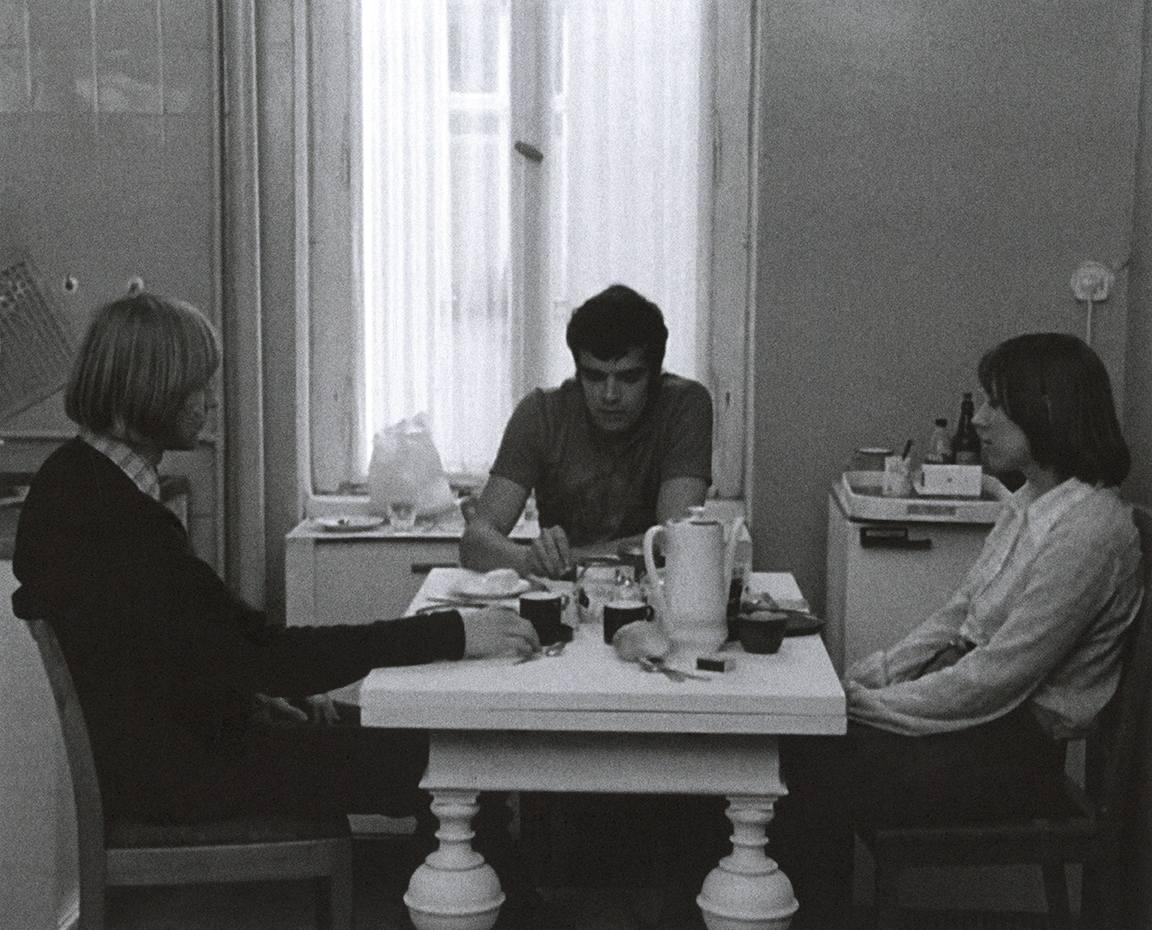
[761, 632]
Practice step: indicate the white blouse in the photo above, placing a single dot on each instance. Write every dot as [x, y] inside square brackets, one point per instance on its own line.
[1045, 605]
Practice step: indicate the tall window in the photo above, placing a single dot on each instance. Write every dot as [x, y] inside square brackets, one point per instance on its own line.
[503, 161]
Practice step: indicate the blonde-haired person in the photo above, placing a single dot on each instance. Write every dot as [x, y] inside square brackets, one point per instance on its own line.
[144, 366]
[169, 664]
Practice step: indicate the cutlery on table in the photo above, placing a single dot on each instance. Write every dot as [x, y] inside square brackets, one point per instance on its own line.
[464, 600]
[657, 664]
[546, 652]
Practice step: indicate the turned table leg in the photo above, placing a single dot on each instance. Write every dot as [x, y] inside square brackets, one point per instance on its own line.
[454, 888]
[747, 890]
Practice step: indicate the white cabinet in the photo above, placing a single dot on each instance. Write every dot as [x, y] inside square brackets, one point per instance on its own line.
[334, 578]
[354, 578]
[38, 840]
[886, 575]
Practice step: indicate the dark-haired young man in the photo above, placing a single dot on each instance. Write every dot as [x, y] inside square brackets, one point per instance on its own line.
[618, 448]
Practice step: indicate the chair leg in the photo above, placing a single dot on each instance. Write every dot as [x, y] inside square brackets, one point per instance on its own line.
[1056, 893]
[92, 896]
[91, 911]
[334, 894]
[887, 895]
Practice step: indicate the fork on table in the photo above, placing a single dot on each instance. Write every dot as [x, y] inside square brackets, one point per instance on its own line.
[546, 652]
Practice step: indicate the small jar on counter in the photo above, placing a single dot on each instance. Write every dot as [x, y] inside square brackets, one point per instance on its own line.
[869, 459]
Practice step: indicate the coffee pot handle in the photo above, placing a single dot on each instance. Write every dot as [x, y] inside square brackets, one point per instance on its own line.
[657, 580]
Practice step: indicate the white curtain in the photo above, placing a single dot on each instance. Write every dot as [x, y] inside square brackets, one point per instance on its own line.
[421, 355]
[627, 192]
[623, 83]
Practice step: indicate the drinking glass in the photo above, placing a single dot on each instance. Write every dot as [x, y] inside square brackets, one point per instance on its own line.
[402, 514]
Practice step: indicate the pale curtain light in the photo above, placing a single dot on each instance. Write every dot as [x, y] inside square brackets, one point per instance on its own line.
[621, 171]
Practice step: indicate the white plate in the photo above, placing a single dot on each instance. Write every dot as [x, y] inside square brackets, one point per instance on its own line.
[497, 584]
[352, 523]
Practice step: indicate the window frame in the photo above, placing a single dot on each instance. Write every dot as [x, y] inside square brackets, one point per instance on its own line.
[326, 55]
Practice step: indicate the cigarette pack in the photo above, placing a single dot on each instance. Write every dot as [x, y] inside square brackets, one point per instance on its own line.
[715, 663]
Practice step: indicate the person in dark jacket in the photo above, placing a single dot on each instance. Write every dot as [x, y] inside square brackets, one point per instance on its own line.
[186, 688]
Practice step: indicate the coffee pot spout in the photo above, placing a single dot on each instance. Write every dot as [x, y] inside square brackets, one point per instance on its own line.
[735, 531]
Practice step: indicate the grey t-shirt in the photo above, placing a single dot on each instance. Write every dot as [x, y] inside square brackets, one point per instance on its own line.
[601, 486]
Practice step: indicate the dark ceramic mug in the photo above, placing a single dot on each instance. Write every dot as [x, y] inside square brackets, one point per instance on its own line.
[545, 611]
[618, 613]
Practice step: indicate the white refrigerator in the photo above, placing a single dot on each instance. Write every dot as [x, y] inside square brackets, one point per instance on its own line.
[892, 561]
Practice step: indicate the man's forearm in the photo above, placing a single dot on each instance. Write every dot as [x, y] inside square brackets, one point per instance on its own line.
[483, 548]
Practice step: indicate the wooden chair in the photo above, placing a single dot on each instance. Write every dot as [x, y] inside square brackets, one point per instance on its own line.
[1089, 831]
[117, 852]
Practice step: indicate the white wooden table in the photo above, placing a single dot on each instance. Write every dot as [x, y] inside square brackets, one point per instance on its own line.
[585, 721]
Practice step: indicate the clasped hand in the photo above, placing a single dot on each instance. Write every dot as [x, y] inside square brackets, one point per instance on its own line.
[498, 631]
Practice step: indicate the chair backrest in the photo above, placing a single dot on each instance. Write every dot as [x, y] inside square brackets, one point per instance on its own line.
[1123, 723]
[74, 730]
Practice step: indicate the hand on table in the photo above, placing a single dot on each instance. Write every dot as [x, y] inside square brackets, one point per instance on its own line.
[549, 554]
[316, 708]
[278, 708]
[321, 710]
[498, 631]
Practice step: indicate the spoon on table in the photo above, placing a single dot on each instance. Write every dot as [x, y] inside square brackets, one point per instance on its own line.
[657, 664]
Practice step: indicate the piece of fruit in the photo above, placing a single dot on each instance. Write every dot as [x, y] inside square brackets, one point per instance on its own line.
[641, 639]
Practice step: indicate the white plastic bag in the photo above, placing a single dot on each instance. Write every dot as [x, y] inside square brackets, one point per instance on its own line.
[405, 466]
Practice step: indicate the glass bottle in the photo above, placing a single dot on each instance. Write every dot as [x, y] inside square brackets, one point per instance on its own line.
[965, 442]
[939, 447]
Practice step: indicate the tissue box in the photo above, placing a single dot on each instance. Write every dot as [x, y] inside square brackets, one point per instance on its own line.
[950, 480]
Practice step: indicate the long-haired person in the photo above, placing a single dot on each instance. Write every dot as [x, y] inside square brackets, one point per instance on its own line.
[965, 718]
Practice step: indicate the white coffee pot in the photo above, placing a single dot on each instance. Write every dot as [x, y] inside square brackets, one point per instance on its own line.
[691, 593]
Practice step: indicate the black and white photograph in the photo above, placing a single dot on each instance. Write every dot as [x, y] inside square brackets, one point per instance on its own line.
[576, 464]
